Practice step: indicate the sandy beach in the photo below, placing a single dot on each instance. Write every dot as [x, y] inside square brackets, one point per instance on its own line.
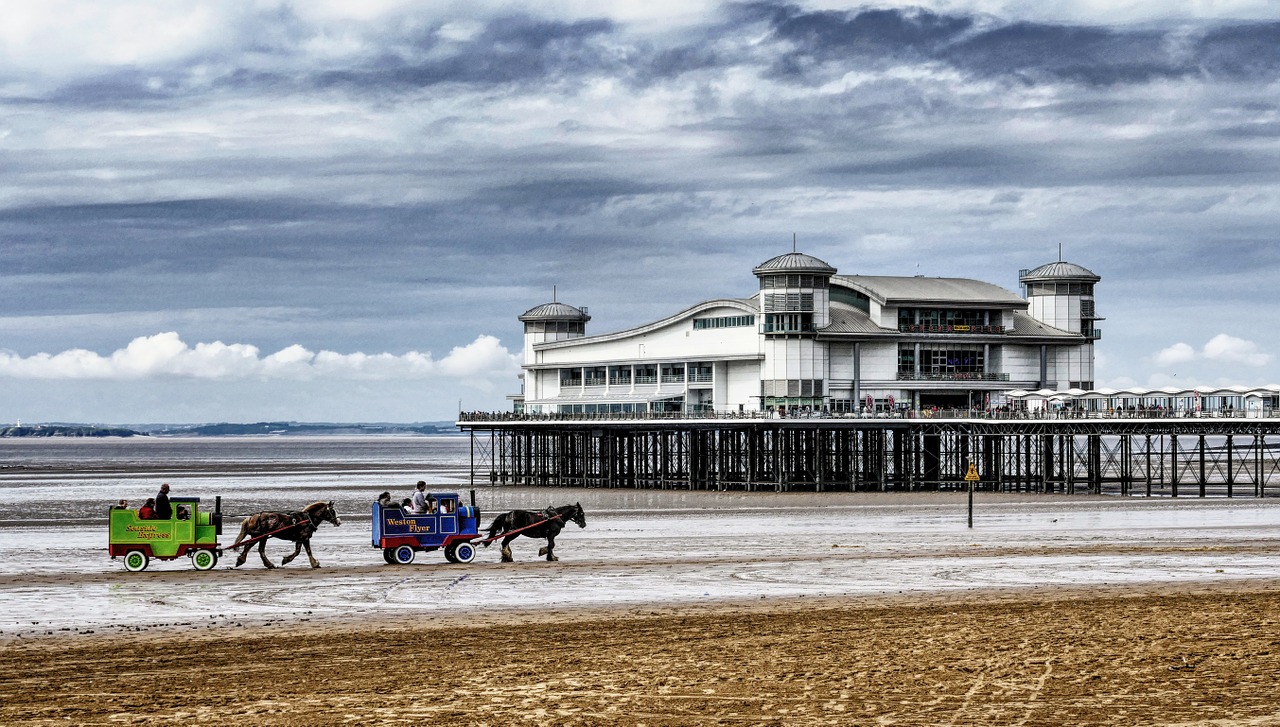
[1165, 655]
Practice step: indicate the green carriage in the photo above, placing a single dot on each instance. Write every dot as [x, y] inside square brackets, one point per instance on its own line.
[192, 531]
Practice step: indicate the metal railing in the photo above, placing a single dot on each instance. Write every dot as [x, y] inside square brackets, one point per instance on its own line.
[931, 413]
[951, 376]
[955, 328]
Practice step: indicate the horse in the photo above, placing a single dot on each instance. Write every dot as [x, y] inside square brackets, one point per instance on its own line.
[545, 524]
[294, 526]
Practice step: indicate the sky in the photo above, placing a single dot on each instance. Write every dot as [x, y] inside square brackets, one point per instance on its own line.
[245, 210]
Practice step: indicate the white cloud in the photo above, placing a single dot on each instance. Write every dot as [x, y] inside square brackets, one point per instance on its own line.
[1235, 350]
[483, 363]
[1175, 354]
[1222, 348]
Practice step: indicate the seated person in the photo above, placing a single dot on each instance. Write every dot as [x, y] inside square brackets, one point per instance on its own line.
[122, 505]
[406, 503]
[384, 500]
[183, 513]
[446, 506]
[147, 511]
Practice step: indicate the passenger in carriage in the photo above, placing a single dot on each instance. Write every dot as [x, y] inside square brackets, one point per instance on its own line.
[164, 511]
[420, 499]
[384, 500]
[148, 510]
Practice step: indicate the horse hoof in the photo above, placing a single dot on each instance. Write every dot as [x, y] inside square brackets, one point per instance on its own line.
[552, 559]
[542, 550]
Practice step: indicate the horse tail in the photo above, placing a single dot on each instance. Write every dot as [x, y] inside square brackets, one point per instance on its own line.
[244, 529]
[497, 527]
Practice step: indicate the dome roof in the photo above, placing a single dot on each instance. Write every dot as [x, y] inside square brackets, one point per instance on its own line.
[794, 262]
[1060, 270]
[554, 312]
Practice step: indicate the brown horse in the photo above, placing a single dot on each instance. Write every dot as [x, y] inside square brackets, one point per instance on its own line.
[297, 527]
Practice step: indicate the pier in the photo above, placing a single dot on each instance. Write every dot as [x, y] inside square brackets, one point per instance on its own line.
[1175, 457]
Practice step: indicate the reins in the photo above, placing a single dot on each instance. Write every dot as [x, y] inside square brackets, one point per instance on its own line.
[544, 521]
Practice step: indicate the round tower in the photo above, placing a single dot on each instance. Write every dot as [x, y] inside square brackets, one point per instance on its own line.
[795, 302]
[552, 321]
[1061, 295]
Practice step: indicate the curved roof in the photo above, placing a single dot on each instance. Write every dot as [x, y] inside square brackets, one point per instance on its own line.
[746, 305]
[794, 262]
[1060, 270]
[554, 312]
[918, 290]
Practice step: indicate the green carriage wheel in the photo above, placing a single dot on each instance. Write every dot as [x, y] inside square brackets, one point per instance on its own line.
[135, 561]
[204, 559]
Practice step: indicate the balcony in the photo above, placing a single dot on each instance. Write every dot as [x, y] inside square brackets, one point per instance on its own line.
[1094, 334]
[593, 381]
[673, 378]
[783, 328]
[700, 378]
[964, 329]
[951, 376]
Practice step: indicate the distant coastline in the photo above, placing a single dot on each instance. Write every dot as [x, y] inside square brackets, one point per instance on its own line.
[224, 429]
[68, 430]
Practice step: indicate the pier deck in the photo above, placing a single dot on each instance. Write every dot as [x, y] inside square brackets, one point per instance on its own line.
[1203, 457]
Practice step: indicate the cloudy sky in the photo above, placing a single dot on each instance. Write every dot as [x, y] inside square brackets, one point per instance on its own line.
[334, 211]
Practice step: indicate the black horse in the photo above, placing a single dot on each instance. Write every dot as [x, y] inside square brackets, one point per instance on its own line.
[545, 524]
[297, 527]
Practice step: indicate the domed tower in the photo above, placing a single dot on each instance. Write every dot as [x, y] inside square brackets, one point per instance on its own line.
[795, 302]
[552, 321]
[1061, 294]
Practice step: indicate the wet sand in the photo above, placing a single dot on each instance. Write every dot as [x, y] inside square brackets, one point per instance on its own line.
[1164, 654]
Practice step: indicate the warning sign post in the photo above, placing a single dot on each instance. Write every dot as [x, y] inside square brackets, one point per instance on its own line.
[971, 477]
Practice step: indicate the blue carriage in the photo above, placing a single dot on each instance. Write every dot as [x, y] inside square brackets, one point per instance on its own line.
[450, 526]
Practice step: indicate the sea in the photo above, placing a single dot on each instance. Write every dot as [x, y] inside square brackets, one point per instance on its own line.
[52, 481]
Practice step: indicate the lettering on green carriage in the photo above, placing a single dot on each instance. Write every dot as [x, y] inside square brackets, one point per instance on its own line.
[146, 532]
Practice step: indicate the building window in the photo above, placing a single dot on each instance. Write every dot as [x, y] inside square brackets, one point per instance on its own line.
[646, 374]
[723, 322]
[571, 377]
[1059, 288]
[906, 358]
[699, 373]
[788, 322]
[794, 280]
[594, 376]
[673, 373]
[619, 375]
[791, 388]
